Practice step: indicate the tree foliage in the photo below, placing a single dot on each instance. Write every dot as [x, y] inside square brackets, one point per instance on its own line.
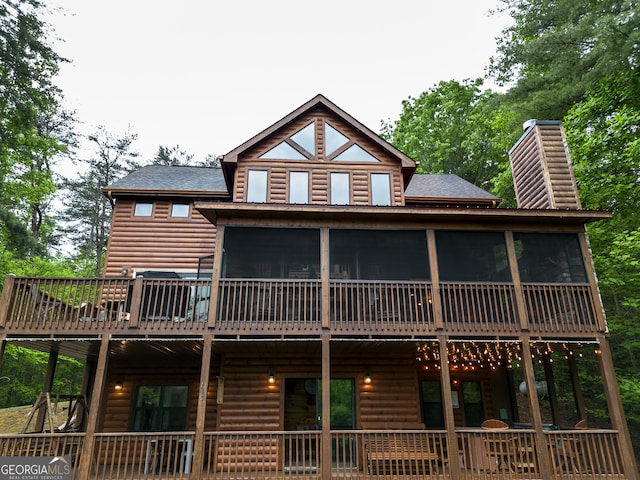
[34, 129]
[555, 50]
[453, 128]
[88, 210]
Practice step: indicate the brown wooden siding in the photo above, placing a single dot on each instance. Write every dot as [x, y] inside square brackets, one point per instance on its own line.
[319, 170]
[542, 172]
[159, 242]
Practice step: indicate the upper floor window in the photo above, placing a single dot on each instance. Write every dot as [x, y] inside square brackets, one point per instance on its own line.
[180, 210]
[380, 189]
[355, 153]
[472, 256]
[299, 187]
[299, 146]
[549, 258]
[257, 186]
[340, 191]
[143, 209]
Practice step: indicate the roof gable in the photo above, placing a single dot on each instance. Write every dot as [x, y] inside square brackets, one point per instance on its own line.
[340, 138]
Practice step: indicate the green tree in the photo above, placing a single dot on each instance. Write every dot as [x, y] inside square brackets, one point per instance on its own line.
[33, 128]
[172, 156]
[88, 210]
[453, 128]
[554, 51]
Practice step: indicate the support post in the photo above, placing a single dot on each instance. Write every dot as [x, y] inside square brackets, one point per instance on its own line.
[7, 293]
[326, 406]
[517, 283]
[436, 299]
[215, 277]
[575, 385]
[198, 449]
[447, 405]
[84, 468]
[47, 384]
[324, 278]
[542, 452]
[616, 411]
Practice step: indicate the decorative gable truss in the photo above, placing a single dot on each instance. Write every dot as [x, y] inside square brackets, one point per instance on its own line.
[318, 155]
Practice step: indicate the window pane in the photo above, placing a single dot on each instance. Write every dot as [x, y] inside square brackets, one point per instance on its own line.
[432, 412]
[549, 258]
[306, 138]
[284, 151]
[333, 139]
[254, 252]
[160, 408]
[380, 189]
[355, 153]
[472, 257]
[379, 254]
[143, 209]
[257, 186]
[299, 187]
[340, 194]
[180, 210]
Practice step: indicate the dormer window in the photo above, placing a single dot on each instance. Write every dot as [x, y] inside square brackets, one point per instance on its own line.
[257, 186]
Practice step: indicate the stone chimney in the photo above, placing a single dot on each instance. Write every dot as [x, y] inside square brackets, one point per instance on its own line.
[542, 172]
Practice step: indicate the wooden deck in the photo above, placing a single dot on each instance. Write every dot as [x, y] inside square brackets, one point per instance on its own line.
[47, 306]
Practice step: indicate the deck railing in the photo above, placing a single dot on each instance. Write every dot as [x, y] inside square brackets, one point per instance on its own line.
[268, 306]
[361, 454]
[142, 455]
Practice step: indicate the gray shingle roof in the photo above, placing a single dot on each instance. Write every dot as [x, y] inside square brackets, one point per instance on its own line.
[176, 178]
[444, 186]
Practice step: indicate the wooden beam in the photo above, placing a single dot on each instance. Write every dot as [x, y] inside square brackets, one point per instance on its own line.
[616, 411]
[7, 293]
[551, 388]
[326, 406]
[47, 384]
[575, 386]
[436, 301]
[86, 459]
[447, 406]
[324, 277]
[215, 277]
[542, 452]
[198, 449]
[521, 310]
[136, 300]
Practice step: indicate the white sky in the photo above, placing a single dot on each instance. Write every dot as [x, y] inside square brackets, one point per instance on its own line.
[209, 74]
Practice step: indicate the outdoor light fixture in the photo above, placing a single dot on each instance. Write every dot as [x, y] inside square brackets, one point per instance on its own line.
[367, 378]
[125, 271]
[272, 377]
[119, 385]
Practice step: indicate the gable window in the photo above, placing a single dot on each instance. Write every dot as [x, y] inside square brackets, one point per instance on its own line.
[333, 139]
[340, 191]
[299, 187]
[355, 153]
[257, 186]
[300, 146]
[143, 209]
[180, 210]
[380, 189]
[160, 408]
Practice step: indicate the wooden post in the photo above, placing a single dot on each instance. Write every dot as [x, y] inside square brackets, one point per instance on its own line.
[575, 385]
[615, 409]
[324, 277]
[447, 405]
[136, 301]
[542, 452]
[517, 284]
[326, 407]
[3, 345]
[215, 277]
[47, 384]
[593, 283]
[84, 468]
[436, 300]
[198, 443]
[7, 293]
[551, 388]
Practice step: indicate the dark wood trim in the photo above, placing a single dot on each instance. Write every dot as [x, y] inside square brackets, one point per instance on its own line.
[447, 405]
[435, 280]
[515, 277]
[324, 276]
[326, 406]
[215, 280]
[616, 410]
[86, 460]
[205, 369]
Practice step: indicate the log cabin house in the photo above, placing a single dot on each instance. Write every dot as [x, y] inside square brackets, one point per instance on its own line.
[317, 309]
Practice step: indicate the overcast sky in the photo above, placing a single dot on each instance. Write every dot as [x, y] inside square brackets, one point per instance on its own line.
[208, 74]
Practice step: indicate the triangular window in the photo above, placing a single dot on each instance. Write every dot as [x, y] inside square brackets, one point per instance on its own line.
[284, 151]
[355, 153]
[306, 138]
[333, 139]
